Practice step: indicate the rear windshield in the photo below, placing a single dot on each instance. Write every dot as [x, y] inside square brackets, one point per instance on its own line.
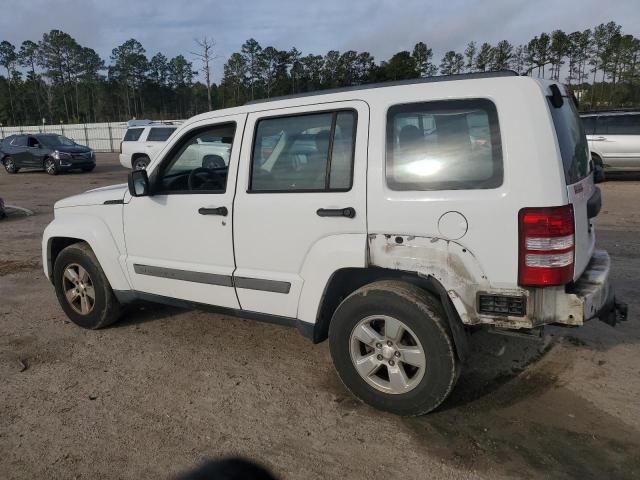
[160, 134]
[132, 135]
[572, 141]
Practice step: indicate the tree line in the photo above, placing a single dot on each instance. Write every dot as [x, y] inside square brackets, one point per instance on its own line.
[60, 80]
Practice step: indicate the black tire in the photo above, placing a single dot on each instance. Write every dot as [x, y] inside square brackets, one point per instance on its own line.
[423, 314]
[141, 162]
[106, 308]
[10, 165]
[50, 166]
[595, 158]
[88, 169]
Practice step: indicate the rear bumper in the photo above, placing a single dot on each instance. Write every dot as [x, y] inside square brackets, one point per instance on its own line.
[591, 296]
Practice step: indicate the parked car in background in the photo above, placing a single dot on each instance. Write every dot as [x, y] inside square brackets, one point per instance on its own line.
[47, 151]
[392, 220]
[143, 139]
[614, 139]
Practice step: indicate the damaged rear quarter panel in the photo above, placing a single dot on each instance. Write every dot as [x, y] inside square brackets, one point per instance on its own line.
[451, 264]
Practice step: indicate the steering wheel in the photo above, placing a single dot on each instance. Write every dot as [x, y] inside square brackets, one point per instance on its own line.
[198, 173]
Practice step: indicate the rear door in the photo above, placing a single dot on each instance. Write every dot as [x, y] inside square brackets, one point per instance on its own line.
[579, 180]
[302, 180]
[20, 152]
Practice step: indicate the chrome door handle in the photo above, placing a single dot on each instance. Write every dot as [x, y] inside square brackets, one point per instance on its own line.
[222, 211]
[598, 139]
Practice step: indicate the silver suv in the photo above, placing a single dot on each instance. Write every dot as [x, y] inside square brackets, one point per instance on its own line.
[614, 139]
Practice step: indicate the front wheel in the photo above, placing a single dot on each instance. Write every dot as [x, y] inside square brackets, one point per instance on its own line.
[82, 288]
[50, 166]
[88, 169]
[10, 165]
[391, 347]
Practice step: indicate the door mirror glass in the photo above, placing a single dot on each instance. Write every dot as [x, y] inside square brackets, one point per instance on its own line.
[138, 183]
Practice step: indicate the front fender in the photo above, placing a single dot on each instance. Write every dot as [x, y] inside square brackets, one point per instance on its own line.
[97, 234]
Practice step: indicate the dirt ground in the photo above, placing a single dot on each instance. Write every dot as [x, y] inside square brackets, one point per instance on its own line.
[165, 388]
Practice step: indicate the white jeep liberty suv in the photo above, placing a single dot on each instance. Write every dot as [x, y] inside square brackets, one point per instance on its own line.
[390, 219]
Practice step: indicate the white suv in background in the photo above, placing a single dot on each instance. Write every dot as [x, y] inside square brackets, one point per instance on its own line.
[143, 139]
[614, 139]
[392, 220]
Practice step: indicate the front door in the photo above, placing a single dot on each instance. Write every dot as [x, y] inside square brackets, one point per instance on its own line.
[302, 182]
[179, 240]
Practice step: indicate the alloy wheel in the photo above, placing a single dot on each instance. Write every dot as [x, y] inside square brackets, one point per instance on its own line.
[387, 354]
[78, 288]
[50, 167]
[9, 165]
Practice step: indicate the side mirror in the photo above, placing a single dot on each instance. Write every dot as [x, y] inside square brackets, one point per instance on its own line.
[139, 183]
[598, 174]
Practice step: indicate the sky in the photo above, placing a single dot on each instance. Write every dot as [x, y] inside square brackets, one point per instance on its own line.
[381, 27]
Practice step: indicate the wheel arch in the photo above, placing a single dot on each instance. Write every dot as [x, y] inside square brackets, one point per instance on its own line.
[345, 281]
[64, 232]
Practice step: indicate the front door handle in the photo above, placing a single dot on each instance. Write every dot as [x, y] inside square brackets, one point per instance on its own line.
[598, 139]
[348, 212]
[214, 211]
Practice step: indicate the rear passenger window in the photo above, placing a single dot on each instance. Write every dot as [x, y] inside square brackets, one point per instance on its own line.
[311, 152]
[132, 135]
[159, 134]
[19, 141]
[444, 145]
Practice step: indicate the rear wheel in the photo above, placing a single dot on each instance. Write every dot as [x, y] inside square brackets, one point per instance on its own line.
[140, 163]
[10, 165]
[391, 346]
[82, 288]
[50, 166]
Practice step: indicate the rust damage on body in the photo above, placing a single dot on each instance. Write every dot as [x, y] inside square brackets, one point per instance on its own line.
[451, 264]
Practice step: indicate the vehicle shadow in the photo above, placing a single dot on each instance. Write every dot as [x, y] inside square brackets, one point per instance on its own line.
[523, 421]
[621, 176]
[141, 312]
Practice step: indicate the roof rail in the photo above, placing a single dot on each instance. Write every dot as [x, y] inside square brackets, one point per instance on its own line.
[144, 123]
[412, 81]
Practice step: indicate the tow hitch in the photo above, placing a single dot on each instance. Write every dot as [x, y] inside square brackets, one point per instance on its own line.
[616, 313]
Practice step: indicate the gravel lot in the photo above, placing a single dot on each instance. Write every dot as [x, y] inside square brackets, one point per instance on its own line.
[166, 388]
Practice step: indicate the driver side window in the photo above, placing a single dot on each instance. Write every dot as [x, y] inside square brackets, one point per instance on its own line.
[199, 163]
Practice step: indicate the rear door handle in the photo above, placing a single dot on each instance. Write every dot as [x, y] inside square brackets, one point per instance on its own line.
[348, 212]
[214, 211]
[599, 139]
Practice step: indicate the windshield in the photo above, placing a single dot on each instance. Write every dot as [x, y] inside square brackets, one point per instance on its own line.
[57, 140]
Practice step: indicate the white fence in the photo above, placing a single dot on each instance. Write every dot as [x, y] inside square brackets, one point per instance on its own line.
[101, 137]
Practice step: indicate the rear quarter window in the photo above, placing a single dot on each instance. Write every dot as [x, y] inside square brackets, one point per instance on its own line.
[132, 135]
[444, 145]
[572, 141]
[159, 134]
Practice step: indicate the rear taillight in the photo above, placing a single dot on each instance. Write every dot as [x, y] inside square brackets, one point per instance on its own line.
[546, 246]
